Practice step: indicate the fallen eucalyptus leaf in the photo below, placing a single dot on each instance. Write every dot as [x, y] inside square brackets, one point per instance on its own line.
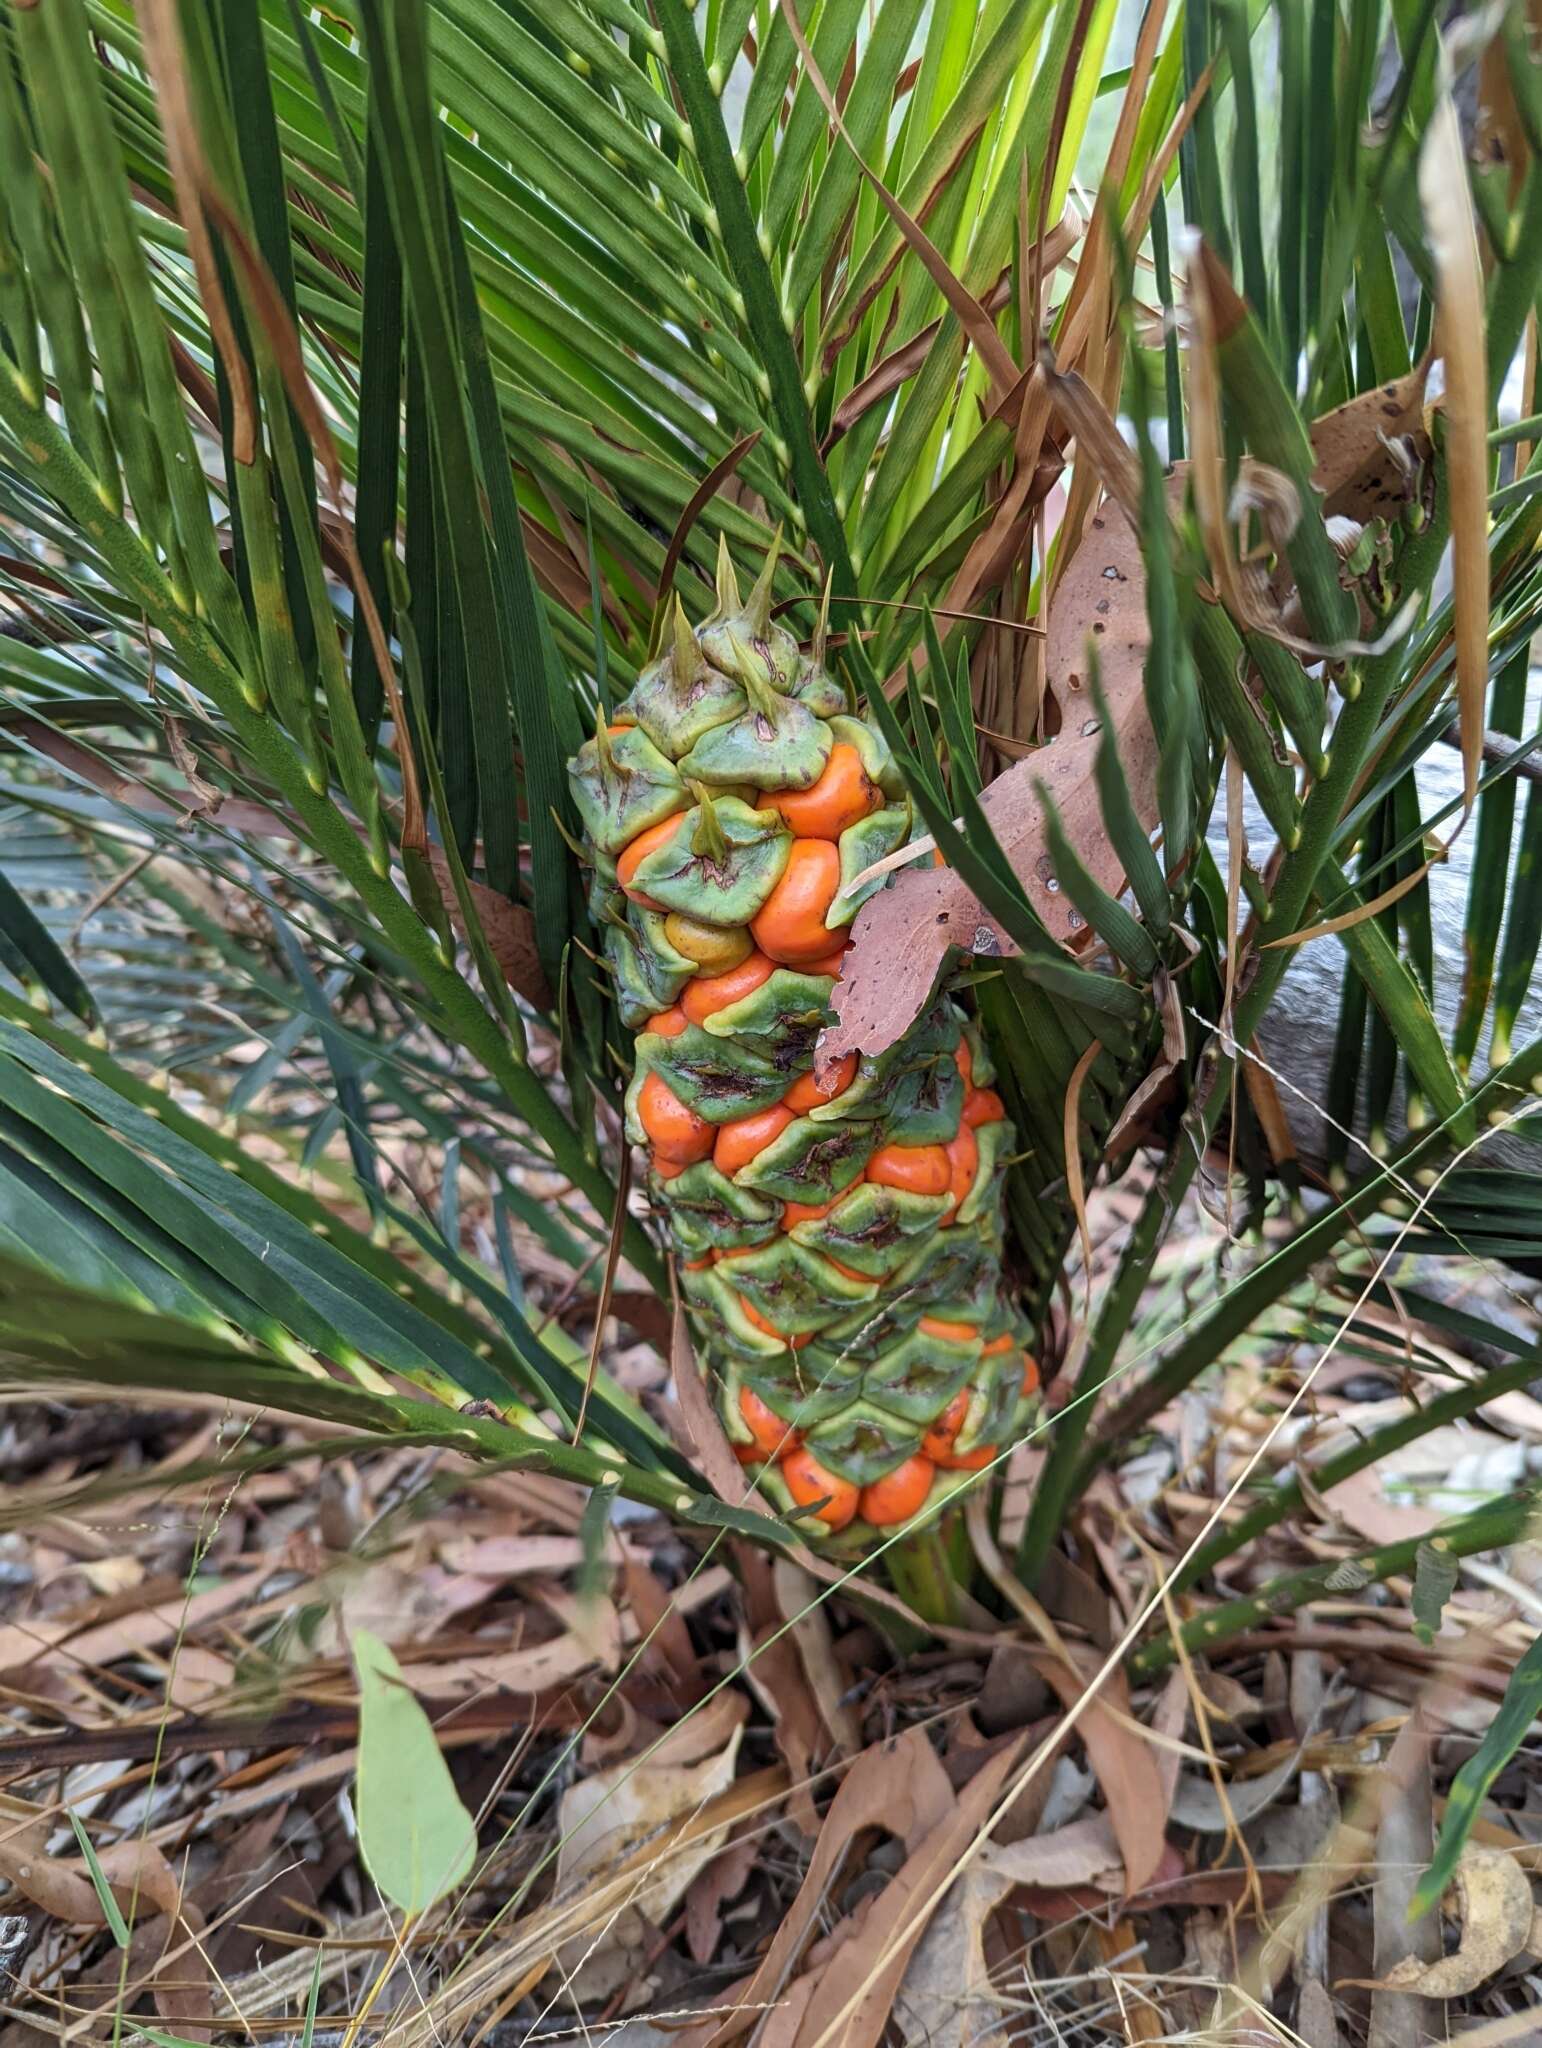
[1197, 1803]
[417, 1838]
[948, 1999]
[509, 929]
[612, 1812]
[1361, 448]
[902, 936]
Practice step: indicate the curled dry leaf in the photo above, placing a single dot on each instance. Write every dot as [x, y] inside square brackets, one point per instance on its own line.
[722, 1880]
[854, 2003]
[1122, 1758]
[613, 1812]
[898, 1786]
[948, 1999]
[1364, 448]
[1495, 1897]
[1199, 1804]
[901, 938]
[709, 1446]
[808, 1623]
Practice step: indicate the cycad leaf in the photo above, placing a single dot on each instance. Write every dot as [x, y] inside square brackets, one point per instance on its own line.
[34, 957]
[1108, 918]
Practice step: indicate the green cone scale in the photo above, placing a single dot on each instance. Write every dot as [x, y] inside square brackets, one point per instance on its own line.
[839, 1237]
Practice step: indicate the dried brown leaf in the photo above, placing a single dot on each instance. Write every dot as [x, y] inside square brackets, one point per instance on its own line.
[1124, 1762]
[808, 1622]
[722, 1880]
[1347, 918]
[721, 1469]
[899, 1787]
[94, 765]
[509, 928]
[1359, 470]
[854, 2004]
[703, 495]
[615, 1811]
[948, 1999]
[1447, 203]
[902, 937]
[892, 370]
[966, 308]
[70, 1645]
[1405, 1836]
[194, 187]
[531, 1670]
[135, 1871]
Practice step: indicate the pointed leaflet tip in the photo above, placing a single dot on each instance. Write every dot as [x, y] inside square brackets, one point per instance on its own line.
[708, 841]
[822, 628]
[757, 612]
[727, 582]
[688, 658]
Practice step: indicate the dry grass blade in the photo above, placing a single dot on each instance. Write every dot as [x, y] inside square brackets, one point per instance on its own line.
[1109, 456]
[1342, 923]
[607, 1285]
[893, 370]
[201, 197]
[1443, 193]
[1207, 468]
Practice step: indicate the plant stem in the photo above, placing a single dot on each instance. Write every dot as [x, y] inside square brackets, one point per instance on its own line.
[922, 1575]
[1487, 1528]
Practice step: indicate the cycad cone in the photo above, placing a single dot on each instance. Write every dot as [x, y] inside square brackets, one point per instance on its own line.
[840, 1244]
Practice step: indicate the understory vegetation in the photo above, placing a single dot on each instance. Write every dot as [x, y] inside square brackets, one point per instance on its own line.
[691, 698]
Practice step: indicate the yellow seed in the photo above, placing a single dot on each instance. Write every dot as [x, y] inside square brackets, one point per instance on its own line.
[714, 947]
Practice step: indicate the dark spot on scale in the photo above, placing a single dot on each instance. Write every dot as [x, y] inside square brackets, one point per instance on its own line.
[1098, 626]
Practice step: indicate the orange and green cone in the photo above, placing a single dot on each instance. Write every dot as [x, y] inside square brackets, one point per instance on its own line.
[839, 1237]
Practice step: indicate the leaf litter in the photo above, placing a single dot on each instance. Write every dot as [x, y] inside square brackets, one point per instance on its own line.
[708, 1787]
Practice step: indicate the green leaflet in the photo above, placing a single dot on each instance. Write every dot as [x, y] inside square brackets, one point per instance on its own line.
[1506, 1732]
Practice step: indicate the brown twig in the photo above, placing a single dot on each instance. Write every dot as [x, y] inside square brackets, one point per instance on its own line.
[1502, 751]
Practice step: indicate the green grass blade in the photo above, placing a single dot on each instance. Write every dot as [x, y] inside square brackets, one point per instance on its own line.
[1505, 1734]
[112, 1913]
